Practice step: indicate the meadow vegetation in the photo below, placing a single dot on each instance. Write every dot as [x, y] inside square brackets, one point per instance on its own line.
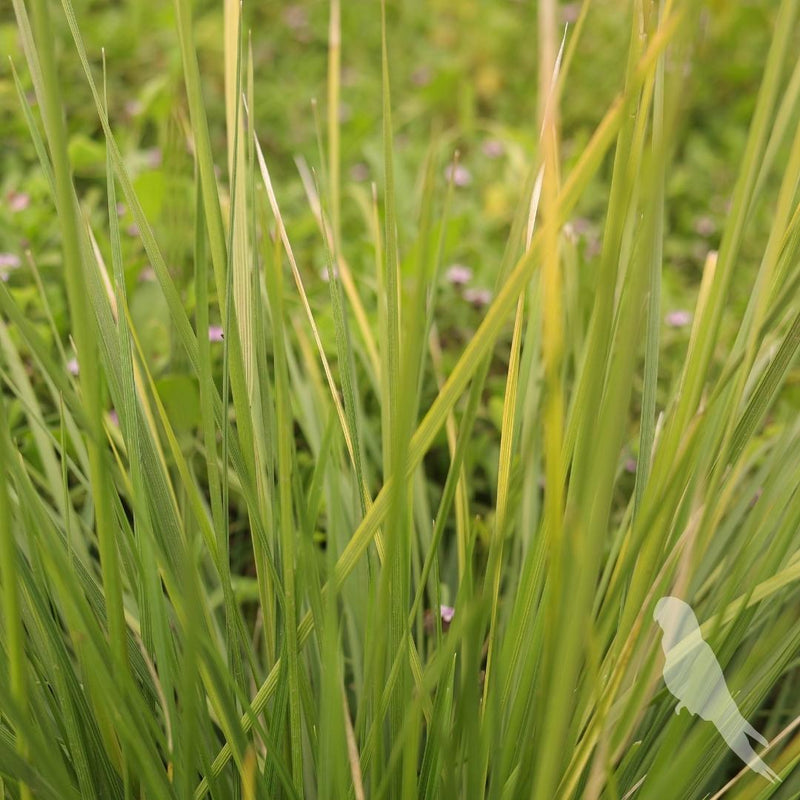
[368, 371]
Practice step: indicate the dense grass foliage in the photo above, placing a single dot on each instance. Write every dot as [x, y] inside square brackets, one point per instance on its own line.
[347, 447]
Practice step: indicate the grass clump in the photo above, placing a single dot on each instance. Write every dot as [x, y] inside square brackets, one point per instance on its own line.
[280, 559]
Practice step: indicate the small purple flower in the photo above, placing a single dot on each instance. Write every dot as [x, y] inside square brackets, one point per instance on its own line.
[147, 275]
[120, 209]
[446, 614]
[295, 17]
[113, 417]
[8, 262]
[459, 174]
[215, 333]
[493, 148]
[570, 12]
[72, 366]
[581, 226]
[678, 319]
[630, 465]
[458, 275]
[153, 157]
[478, 297]
[133, 108]
[132, 230]
[705, 226]
[359, 172]
[18, 201]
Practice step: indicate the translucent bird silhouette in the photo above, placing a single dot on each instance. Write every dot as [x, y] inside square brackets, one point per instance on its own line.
[693, 675]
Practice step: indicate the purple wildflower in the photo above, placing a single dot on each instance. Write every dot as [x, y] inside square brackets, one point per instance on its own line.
[359, 172]
[459, 174]
[678, 319]
[478, 297]
[153, 157]
[459, 275]
[570, 12]
[705, 226]
[133, 108]
[493, 148]
[18, 201]
[8, 261]
[295, 17]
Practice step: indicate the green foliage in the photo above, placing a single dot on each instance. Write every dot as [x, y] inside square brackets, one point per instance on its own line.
[400, 535]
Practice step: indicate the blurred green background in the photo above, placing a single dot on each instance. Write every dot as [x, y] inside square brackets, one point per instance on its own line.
[463, 75]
